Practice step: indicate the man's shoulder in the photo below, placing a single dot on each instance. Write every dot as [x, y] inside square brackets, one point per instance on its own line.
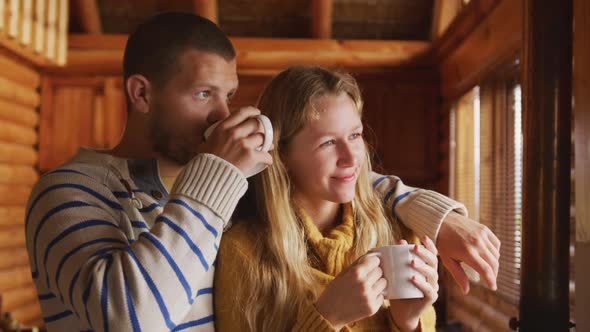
[86, 168]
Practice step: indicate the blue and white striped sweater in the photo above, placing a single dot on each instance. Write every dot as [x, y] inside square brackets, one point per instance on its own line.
[105, 259]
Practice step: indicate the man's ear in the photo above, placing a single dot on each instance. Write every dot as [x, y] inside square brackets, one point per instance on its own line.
[138, 89]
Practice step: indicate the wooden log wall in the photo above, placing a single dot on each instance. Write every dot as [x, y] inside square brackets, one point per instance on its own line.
[19, 102]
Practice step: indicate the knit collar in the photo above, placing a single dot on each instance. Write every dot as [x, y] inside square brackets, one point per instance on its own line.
[332, 249]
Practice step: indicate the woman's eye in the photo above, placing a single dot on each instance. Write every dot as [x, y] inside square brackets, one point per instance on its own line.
[356, 135]
[203, 94]
[328, 143]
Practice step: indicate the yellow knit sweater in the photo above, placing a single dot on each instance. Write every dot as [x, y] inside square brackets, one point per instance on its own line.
[327, 255]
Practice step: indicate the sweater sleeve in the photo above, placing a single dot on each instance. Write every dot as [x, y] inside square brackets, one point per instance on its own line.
[79, 252]
[422, 211]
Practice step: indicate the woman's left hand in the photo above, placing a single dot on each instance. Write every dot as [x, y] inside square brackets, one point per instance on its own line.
[406, 312]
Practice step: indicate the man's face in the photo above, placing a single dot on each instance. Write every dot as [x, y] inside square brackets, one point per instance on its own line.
[195, 97]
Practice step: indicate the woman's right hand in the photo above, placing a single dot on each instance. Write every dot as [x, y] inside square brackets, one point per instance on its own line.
[357, 291]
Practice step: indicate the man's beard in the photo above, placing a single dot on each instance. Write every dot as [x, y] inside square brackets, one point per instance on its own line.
[173, 146]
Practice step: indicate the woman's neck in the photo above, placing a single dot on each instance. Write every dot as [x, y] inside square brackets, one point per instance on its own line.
[324, 214]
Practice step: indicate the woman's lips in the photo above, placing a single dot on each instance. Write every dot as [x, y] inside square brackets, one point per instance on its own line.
[345, 178]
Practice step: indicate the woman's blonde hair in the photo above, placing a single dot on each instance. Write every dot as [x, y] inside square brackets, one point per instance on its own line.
[281, 270]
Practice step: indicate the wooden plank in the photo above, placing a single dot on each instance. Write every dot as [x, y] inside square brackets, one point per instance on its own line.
[18, 154]
[18, 114]
[18, 93]
[16, 298]
[2, 16]
[207, 9]
[581, 86]
[14, 47]
[18, 174]
[13, 133]
[62, 33]
[39, 26]
[12, 237]
[51, 30]
[461, 27]
[14, 257]
[13, 18]
[88, 16]
[26, 24]
[12, 215]
[18, 72]
[443, 13]
[260, 53]
[98, 129]
[321, 18]
[581, 115]
[14, 194]
[46, 126]
[481, 52]
[15, 278]
[114, 113]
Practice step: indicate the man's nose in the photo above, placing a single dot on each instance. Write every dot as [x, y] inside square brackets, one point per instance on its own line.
[220, 112]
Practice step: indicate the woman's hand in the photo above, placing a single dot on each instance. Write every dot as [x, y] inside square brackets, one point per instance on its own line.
[406, 312]
[356, 293]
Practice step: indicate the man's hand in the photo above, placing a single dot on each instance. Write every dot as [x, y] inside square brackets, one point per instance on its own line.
[236, 138]
[465, 240]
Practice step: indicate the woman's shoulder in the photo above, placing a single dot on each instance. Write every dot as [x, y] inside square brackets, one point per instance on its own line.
[240, 237]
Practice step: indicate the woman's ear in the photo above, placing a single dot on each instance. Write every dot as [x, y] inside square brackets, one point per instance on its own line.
[138, 89]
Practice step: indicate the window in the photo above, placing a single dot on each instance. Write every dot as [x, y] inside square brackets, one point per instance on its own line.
[488, 170]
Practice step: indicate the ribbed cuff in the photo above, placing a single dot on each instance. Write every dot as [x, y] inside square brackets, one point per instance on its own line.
[428, 211]
[212, 181]
[310, 319]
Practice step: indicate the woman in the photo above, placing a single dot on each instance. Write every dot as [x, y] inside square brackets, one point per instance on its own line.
[298, 263]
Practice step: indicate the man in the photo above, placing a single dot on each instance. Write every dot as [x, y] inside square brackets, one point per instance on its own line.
[113, 245]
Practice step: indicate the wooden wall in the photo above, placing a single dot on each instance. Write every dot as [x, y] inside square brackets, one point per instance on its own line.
[19, 101]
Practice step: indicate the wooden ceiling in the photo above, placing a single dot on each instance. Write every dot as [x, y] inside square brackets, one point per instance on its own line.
[348, 19]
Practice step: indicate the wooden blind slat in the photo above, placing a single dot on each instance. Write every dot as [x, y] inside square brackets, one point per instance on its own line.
[51, 31]
[13, 18]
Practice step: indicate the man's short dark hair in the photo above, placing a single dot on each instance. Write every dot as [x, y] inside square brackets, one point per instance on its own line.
[154, 48]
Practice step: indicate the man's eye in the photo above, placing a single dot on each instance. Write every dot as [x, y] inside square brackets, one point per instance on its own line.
[356, 135]
[328, 143]
[203, 94]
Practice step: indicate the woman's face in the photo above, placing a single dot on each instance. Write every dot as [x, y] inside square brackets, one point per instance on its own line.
[324, 158]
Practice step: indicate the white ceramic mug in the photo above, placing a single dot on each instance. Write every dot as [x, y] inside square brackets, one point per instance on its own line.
[395, 263]
[266, 144]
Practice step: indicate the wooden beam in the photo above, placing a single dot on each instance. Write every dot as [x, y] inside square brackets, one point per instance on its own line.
[443, 13]
[207, 9]
[547, 118]
[480, 52]
[321, 18]
[460, 28]
[86, 11]
[581, 86]
[104, 54]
